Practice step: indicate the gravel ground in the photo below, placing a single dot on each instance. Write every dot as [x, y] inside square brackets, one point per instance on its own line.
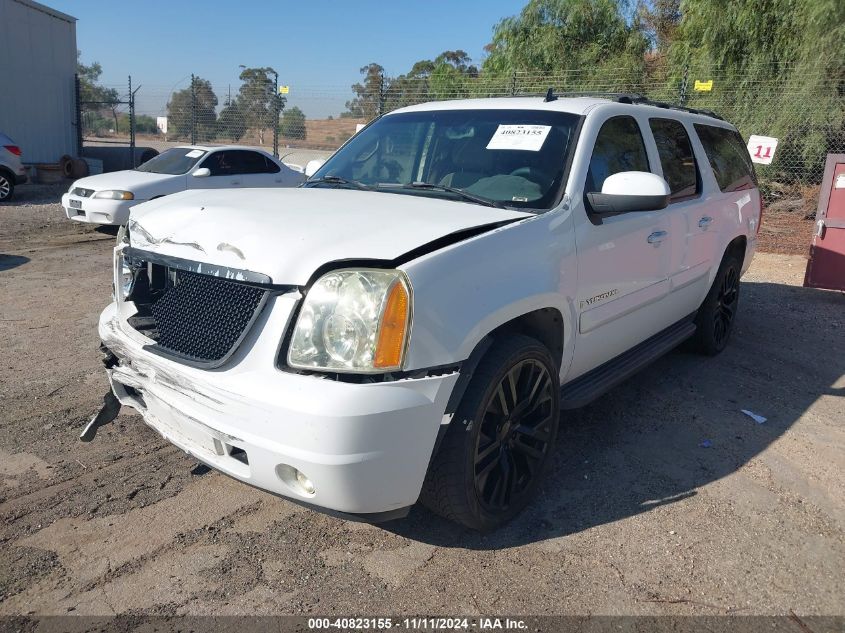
[662, 497]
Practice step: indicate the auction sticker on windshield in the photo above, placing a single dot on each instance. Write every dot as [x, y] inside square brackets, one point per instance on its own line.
[194, 153]
[524, 137]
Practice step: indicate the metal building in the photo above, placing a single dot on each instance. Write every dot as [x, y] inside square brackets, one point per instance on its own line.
[38, 92]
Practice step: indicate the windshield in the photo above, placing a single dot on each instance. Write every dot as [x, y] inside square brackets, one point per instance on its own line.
[175, 161]
[512, 157]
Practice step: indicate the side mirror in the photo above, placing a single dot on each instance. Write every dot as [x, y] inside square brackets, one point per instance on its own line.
[312, 166]
[630, 191]
[202, 172]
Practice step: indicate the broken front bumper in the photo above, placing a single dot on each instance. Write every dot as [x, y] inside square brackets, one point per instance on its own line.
[364, 447]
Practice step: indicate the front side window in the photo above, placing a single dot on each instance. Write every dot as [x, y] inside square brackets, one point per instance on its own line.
[235, 162]
[221, 164]
[619, 147]
[676, 158]
[175, 161]
[728, 157]
[515, 158]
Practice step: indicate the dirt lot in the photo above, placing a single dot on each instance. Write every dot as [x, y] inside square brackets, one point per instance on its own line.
[662, 499]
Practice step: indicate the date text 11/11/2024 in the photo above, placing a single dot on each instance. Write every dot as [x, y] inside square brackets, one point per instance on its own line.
[418, 623]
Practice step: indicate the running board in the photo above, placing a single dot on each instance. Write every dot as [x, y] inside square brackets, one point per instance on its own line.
[594, 383]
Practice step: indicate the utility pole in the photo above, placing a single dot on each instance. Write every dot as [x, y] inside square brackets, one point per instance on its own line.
[132, 121]
[682, 97]
[380, 105]
[193, 111]
[277, 102]
[131, 124]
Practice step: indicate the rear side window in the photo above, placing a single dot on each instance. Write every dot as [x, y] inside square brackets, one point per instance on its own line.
[619, 147]
[728, 157]
[676, 158]
[248, 162]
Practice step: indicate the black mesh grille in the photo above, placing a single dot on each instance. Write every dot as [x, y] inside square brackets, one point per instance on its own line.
[203, 317]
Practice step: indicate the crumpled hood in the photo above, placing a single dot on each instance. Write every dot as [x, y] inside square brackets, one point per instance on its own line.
[288, 234]
[142, 184]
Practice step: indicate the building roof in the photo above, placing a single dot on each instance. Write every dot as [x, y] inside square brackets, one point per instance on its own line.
[45, 9]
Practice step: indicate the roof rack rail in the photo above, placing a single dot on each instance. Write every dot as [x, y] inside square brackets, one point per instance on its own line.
[670, 106]
[621, 97]
[633, 98]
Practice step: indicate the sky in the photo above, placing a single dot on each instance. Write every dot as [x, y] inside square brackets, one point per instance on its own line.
[317, 46]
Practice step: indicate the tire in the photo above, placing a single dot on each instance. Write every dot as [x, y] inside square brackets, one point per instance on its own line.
[716, 317]
[7, 186]
[492, 457]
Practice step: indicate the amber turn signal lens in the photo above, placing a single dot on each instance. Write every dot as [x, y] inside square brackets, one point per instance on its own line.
[394, 323]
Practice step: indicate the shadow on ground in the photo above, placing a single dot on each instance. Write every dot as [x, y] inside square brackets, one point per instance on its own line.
[7, 262]
[633, 450]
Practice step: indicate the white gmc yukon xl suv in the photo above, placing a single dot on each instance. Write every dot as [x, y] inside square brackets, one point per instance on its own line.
[410, 323]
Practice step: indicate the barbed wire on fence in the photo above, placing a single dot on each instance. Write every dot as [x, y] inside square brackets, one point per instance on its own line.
[764, 99]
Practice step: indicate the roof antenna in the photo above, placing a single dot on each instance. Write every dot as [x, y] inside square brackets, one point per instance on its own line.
[550, 95]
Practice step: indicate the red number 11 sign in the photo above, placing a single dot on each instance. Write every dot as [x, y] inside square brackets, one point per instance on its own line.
[762, 149]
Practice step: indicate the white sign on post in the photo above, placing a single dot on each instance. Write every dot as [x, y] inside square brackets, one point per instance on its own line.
[762, 149]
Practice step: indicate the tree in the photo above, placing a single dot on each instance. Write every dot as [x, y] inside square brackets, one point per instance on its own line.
[451, 75]
[144, 124]
[660, 20]
[448, 76]
[95, 99]
[258, 100]
[366, 104]
[293, 123]
[89, 89]
[180, 116]
[588, 44]
[231, 123]
[794, 48]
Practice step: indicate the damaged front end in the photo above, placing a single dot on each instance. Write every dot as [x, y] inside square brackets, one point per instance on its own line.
[194, 349]
[192, 312]
[111, 405]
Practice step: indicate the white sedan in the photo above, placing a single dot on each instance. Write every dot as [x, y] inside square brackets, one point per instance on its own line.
[107, 198]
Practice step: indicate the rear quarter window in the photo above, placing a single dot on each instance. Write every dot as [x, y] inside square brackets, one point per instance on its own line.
[728, 157]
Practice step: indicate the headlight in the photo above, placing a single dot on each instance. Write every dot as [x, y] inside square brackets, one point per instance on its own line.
[354, 321]
[124, 274]
[110, 194]
[125, 280]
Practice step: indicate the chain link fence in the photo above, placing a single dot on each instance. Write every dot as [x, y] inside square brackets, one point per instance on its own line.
[805, 111]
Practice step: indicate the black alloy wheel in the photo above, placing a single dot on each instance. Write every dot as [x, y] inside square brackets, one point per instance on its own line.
[514, 435]
[716, 318]
[492, 457]
[727, 301]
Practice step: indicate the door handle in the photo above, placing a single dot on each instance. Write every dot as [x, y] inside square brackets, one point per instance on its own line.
[705, 222]
[236, 182]
[657, 237]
